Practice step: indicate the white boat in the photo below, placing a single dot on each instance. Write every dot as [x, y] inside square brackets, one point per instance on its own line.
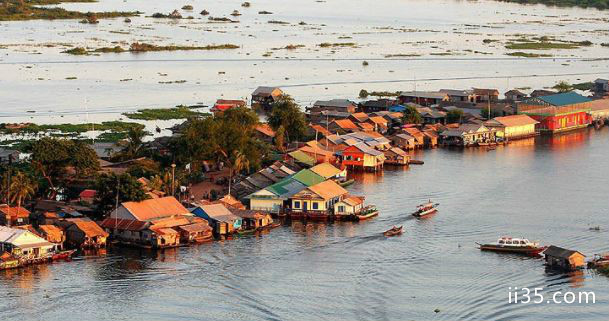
[426, 209]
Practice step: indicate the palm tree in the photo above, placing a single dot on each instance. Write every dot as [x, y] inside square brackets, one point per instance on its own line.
[241, 162]
[22, 188]
[134, 142]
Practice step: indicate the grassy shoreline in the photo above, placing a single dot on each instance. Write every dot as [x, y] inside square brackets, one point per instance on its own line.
[15, 10]
[138, 47]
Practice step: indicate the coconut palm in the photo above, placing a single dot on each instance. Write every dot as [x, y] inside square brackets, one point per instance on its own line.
[133, 145]
[240, 163]
[22, 188]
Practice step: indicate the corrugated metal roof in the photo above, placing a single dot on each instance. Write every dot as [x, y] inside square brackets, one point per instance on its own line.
[325, 170]
[90, 228]
[308, 177]
[328, 190]
[563, 99]
[155, 208]
[302, 157]
[286, 188]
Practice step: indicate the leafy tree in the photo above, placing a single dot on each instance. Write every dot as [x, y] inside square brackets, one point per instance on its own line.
[144, 168]
[51, 157]
[563, 86]
[128, 187]
[285, 112]
[411, 116]
[363, 93]
[280, 139]
[454, 116]
[133, 145]
[22, 187]
[240, 163]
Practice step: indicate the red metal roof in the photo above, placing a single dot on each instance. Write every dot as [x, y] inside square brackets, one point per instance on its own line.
[88, 193]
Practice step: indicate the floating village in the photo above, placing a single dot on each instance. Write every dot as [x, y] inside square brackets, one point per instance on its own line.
[64, 198]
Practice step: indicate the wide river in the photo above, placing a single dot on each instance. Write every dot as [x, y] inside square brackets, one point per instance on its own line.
[552, 189]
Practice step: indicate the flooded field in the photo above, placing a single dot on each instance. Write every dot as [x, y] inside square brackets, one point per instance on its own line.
[408, 44]
[553, 190]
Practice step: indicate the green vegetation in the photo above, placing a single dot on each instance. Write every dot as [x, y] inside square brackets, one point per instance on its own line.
[605, 44]
[19, 10]
[144, 47]
[289, 47]
[364, 93]
[79, 51]
[138, 47]
[116, 126]
[402, 55]
[527, 54]
[337, 44]
[128, 188]
[278, 22]
[598, 4]
[179, 112]
[411, 116]
[187, 7]
[454, 116]
[287, 116]
[564, 86]
[545, 43]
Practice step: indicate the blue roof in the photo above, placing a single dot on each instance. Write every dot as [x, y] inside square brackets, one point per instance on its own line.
[397, 108]
[563, 99]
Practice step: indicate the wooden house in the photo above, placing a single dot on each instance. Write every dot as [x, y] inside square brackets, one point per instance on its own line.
[150, 209]
[513, 127]
[371, 106]
[87, 196]
[329, 171]
[342, 126]
[569, 260]
[455, 95]
[195, 233]
[418, 135]
[599, 109]
[349, 205]
[318, 131]
[423, 98]
[85, 234]
[24, 244]
[559, 112]
[515, 95]
[363, 157]
[468, 135]
[253, 219]
[223, 105]
[320, 155]
[264, 97]
[380, 123]
[219, 218]
[430, 138]
[337, 105]
[396, 156]
[366, 127]
[486, 95]
[52, 234]
[265, 133]
[358, 117]
[14, 215]
[317, 201]
[403, 141]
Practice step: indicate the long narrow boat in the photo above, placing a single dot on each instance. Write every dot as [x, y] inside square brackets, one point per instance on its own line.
[513, 245]
[63, 255]
[394, 231]
[367, 213]
[599, 261]
[426, 209]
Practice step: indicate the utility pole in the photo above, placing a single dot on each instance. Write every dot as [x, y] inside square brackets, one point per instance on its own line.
[173, 178]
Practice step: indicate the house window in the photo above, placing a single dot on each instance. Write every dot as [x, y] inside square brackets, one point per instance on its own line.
[296, 204]
[341, 208]
[315, 205]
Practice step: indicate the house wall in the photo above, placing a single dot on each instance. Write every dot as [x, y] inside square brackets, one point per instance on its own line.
[562, 122]
[266, 205]
[299, 204]
[348, 209]
[519, 131]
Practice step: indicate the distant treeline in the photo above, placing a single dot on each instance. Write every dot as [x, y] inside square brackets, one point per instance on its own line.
[599, 4]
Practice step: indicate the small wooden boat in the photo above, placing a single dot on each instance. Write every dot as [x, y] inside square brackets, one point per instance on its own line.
[426, 209]
[272, 226]
[394, 231]
[415, 162]
[367, 213]
[599, 261]
[247, 232]
[346, 182]
[513, 245]
[63, 255]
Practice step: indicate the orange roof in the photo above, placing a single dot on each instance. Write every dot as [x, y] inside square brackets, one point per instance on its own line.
[316, 150]
[412, 131]
[374, 134]
[328, 190]
[599, 104]
[90, 228]
[354, 200]
[230, 201]
[14, 212]
[51, 233]
[365, 126]
[515, 120]
[321, 130]
[378, 120]
[164, 231]
[155, 208]
[345, 124]
[325, 170]
[360, 116]
[266, 130]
